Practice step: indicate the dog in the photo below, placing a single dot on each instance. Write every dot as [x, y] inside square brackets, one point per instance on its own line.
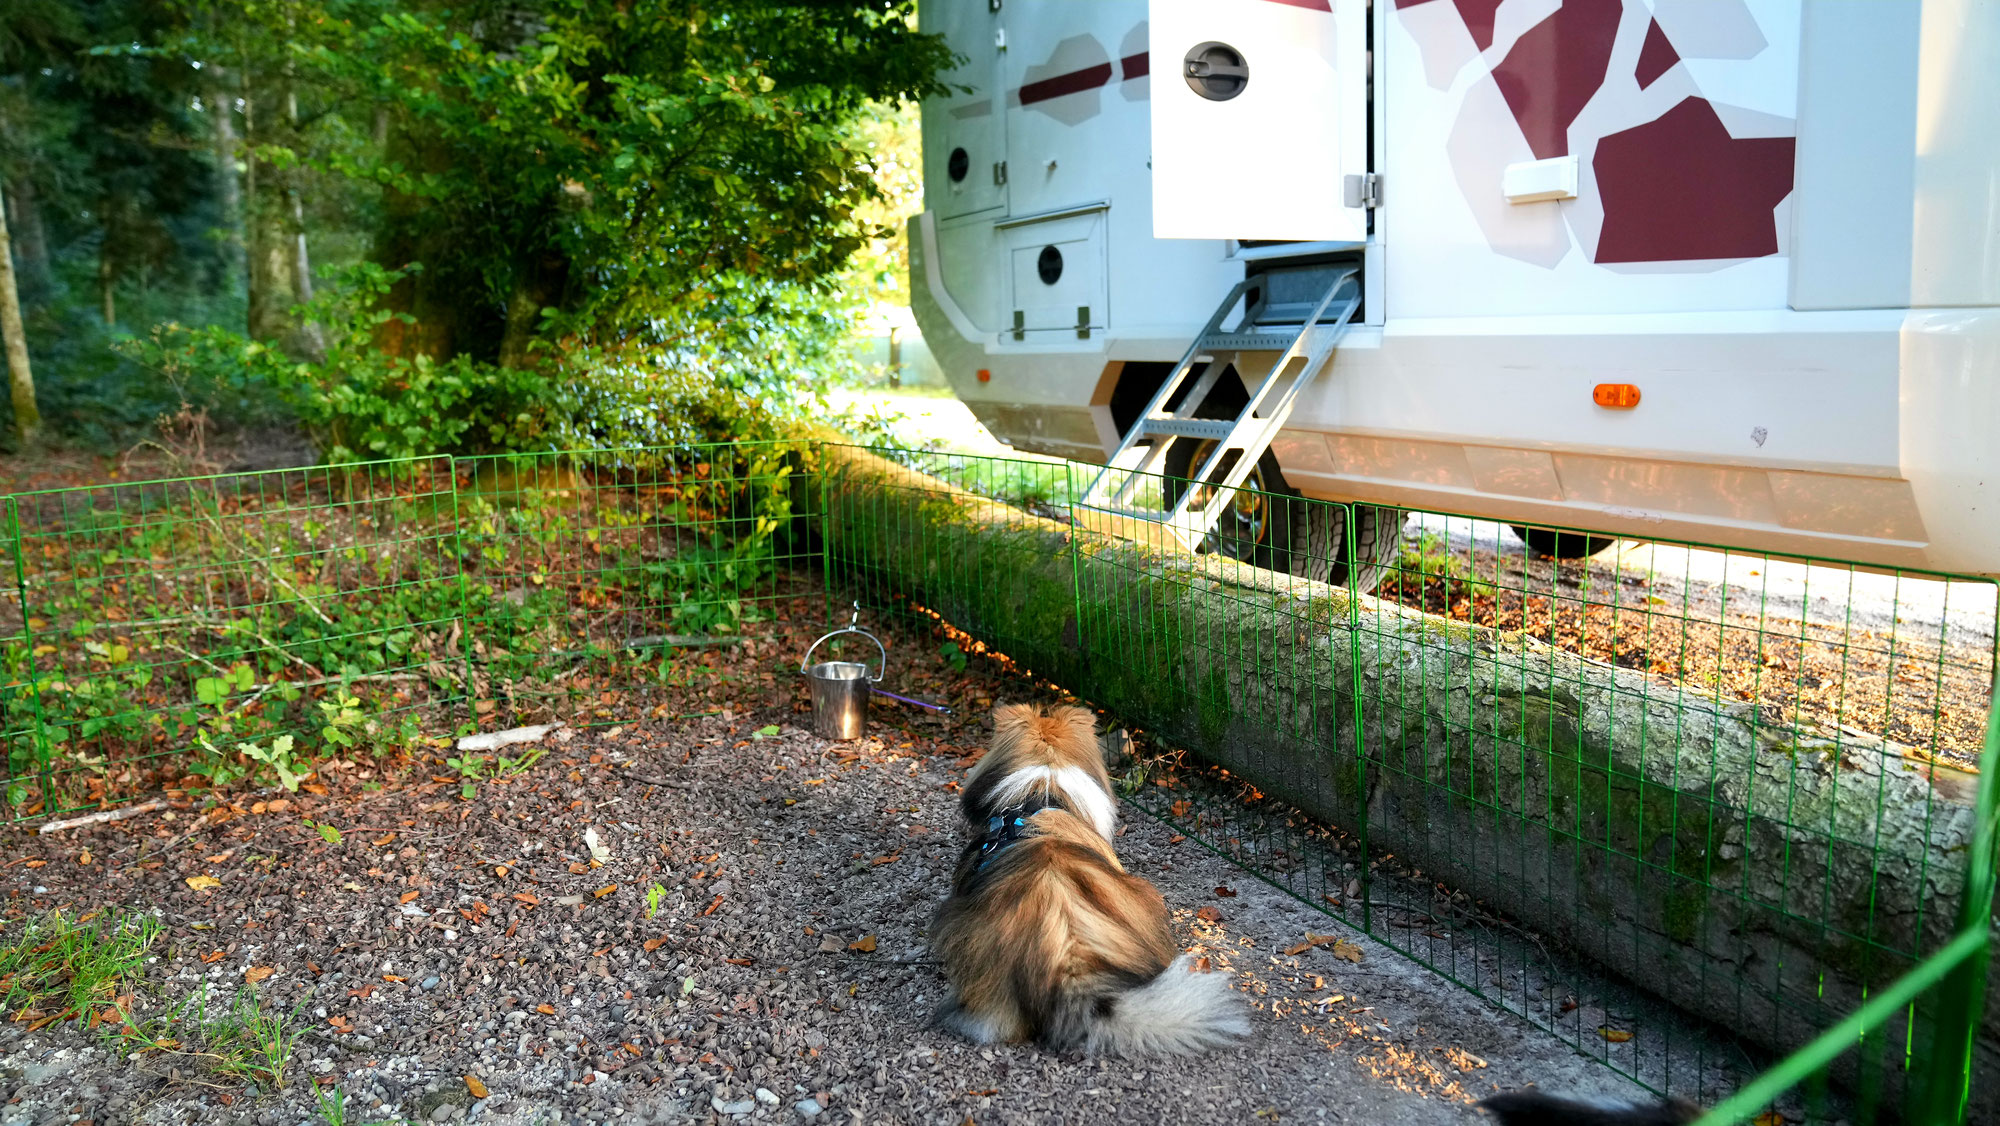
[1529, 1107]
[1045, 937]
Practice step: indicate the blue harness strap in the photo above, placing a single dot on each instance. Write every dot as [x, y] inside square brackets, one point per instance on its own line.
[1006, 828]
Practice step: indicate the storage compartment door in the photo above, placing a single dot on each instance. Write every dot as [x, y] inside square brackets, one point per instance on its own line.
[1260, 109]
[1055, 280]
[965, 137]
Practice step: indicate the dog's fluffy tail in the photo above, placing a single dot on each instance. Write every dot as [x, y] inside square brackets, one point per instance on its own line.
[1533, 1108]
[1177, 1012]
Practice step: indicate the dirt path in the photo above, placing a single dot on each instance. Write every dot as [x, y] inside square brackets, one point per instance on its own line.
[444, 937]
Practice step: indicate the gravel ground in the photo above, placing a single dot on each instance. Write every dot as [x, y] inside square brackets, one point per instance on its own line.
[782, 977]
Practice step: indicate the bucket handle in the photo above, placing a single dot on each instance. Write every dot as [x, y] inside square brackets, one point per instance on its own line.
[851, 627]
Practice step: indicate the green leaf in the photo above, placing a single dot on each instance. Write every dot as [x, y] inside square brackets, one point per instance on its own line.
[328, 833]
[767, 732]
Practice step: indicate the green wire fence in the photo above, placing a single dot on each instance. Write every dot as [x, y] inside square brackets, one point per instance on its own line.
[1723, 821]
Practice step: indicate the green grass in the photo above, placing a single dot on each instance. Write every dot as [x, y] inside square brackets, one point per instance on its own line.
[1429, 556]
[56, 968]
[244, 1041]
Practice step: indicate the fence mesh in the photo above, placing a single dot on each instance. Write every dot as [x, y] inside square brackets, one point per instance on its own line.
[1579, 778]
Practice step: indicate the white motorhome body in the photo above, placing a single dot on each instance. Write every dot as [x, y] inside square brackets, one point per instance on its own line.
[1774, 224]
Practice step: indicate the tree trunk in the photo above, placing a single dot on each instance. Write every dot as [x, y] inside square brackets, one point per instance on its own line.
[410, 235]
[279, 273]
[20, 377]
[1751, 876]
[31, 244]
[221, 107]
[107, 282]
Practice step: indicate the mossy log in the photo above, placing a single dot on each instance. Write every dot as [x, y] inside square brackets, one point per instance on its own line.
[1754, 875]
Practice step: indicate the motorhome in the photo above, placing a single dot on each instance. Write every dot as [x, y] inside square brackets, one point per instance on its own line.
[1721, 271]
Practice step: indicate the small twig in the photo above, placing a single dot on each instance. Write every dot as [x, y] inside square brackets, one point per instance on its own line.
[102, 816]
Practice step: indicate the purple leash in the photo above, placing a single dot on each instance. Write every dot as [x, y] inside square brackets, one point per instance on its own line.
[907, 700]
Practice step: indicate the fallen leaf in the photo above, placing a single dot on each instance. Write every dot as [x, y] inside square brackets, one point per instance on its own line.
[528, 897]
[1208, 915]
[600, 893]
[407, 896]
[599, 851]
[1768, 1118]
[211, 959]
[889, 859]
[831, 944]
[1568, 1004]
[1615, 1035]
[712, 905]
[474, 1087]
[546, 1010]
[203, 883]
[1180, 808]
[1176, 839]
[1201, 964]
[36, 863]
[393, 977]
[653, 944]
[255, 974]
[865, 944]
[83, 857]
[280, 806]
[216, 859]
[1225, 893]
[1346, 950]
[741, 961]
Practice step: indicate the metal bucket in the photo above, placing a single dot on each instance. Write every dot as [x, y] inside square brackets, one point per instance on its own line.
[840, 689]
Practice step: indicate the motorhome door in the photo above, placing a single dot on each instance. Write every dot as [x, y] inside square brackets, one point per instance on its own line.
[965, 129]
[1260, 111]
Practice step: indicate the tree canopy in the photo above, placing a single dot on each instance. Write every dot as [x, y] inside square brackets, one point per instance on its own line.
[541, 210]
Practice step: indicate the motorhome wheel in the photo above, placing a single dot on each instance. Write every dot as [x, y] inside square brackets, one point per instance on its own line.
[1272, 526]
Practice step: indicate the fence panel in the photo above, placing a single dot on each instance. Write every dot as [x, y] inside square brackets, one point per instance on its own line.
[217, 625]
[593, 578]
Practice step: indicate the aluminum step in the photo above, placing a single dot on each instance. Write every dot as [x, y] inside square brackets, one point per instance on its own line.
[1188, 427]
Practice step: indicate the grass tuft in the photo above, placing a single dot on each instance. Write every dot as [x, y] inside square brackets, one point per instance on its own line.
[54, 968]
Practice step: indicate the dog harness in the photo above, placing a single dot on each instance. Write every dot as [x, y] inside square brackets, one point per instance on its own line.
[1006, 828]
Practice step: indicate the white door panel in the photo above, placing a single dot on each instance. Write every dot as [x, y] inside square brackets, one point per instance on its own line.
[1263, 157]
[965, 134]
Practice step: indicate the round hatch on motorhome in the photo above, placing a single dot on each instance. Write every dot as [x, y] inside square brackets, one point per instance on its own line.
[957, 165]
[1216, 71]
[1048, 265]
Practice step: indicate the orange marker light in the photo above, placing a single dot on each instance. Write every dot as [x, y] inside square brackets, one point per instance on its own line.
[1616, 396]
[987, 376]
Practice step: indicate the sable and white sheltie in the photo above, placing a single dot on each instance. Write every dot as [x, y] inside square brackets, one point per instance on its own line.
[1045, 936]
[1529, 1107]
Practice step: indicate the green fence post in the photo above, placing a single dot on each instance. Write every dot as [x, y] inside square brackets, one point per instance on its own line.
[1962, 996]
[1360, 729]
[458, 549]
[44, 750]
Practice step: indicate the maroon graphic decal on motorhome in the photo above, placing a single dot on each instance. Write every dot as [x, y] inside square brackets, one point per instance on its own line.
[1656, 56]
[1555, 68]
[1476, 14]
[1677, 188]
[1680, 187]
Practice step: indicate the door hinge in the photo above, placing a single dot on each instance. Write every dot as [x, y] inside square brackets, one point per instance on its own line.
[1083, 322]
[1363, 190]
[1020, 325]
[999, 173]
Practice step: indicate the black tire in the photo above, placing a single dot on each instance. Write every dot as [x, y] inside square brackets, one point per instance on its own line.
[1562, 545]
[1294, 536]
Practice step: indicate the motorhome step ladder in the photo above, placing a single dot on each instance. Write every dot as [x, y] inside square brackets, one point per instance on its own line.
[1302, 352]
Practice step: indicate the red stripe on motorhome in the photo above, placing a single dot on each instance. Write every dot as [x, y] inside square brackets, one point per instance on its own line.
[1075, 82]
